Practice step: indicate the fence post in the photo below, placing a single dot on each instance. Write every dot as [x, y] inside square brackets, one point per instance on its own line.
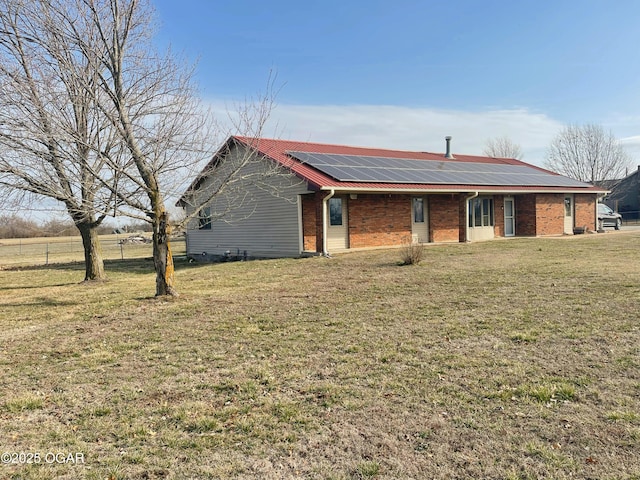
[121, 251]
[47, 255]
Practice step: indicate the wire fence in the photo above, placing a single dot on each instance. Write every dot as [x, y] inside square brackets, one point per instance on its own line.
[46, 251]
[631, 218]
[40, 251]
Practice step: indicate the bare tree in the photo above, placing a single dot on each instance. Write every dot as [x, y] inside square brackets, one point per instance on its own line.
[154, 106]
[53, 134]
[151, 101]
[145, 127]
[14, 226]
[502, 147]
[587, 153]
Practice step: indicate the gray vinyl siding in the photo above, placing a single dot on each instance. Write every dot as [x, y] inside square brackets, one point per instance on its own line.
[262, 220]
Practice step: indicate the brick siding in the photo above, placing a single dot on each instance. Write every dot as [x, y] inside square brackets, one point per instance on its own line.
[498, 215]
[525, 206]
[444, 218]
[543, 214]
[585, 211]
[379, 220]
[310, 223]
[376, 220]
[549, 214]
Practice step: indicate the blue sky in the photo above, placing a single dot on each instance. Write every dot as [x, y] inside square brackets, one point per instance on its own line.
[405, 73]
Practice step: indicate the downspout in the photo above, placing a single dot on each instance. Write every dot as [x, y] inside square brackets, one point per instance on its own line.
[466, 211]
[300, 226]
[325, 201]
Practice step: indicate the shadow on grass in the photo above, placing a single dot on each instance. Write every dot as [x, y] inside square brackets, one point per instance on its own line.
[42, 302]
[145, 265]
[26, 287]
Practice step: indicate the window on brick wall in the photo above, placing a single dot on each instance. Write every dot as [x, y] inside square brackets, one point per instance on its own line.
[481, 212]
[335, 211]
[568, 211]
[418, 210]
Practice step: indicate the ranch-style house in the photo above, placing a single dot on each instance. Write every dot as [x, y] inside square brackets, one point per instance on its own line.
[298, 198]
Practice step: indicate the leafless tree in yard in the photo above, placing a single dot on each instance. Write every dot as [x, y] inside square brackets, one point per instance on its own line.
[54, 135]
[151, 101]
[159, 117]
[587, 153]
[502, 147]
[145, 125]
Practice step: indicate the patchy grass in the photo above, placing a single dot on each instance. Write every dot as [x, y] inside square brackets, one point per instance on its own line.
[17, 405]
[509, 360]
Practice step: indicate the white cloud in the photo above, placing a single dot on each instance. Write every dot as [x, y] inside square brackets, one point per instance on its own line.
[632, 146]
[419, 129]
[424, 129]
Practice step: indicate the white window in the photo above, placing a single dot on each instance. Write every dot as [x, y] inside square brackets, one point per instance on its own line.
[568, 207]
[481, 212]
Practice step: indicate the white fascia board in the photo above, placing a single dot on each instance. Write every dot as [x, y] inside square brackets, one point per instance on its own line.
[457, 190]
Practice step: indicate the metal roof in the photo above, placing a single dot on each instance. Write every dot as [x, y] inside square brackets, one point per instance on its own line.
[362, 169]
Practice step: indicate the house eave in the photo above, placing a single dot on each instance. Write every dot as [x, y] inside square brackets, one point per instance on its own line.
[465, 189]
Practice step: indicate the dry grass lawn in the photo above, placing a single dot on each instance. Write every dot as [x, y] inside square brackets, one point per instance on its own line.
[513, 359]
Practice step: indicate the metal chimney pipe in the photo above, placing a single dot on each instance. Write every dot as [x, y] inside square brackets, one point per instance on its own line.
[448, 154]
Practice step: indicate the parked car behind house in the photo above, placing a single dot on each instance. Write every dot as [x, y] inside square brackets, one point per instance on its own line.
[608, 218]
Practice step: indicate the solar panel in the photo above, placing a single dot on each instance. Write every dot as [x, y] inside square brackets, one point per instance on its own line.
[355, 168]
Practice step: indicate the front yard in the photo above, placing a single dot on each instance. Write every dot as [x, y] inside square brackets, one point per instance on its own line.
[515, 359]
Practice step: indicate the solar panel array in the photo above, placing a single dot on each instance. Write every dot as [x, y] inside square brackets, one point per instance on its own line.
[356, 168]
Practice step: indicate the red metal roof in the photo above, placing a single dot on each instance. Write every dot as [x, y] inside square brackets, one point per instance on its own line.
[277, 151]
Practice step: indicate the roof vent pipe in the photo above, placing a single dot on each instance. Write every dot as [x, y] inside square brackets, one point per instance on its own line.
[448, 154]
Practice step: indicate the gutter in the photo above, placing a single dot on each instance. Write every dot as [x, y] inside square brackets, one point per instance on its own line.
[300, 225]
[435, 191]
[466, 216]
[325, 201]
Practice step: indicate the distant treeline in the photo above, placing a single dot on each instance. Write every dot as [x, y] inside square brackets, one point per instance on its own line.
[14, 226]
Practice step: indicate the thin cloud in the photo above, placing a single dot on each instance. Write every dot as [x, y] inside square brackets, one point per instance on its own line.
[420, 129]
[632, 146]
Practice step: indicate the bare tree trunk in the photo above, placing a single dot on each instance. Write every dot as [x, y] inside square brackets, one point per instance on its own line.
[94, 265]
[162, 257]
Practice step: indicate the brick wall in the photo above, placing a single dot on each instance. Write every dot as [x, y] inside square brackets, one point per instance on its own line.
[543, 213]
[385, 220]
[444, 218]
[585, 211]
[525, 215]
[549, 214]
[309, 223]
[379, 220]
[498, 215]
[539, 214]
